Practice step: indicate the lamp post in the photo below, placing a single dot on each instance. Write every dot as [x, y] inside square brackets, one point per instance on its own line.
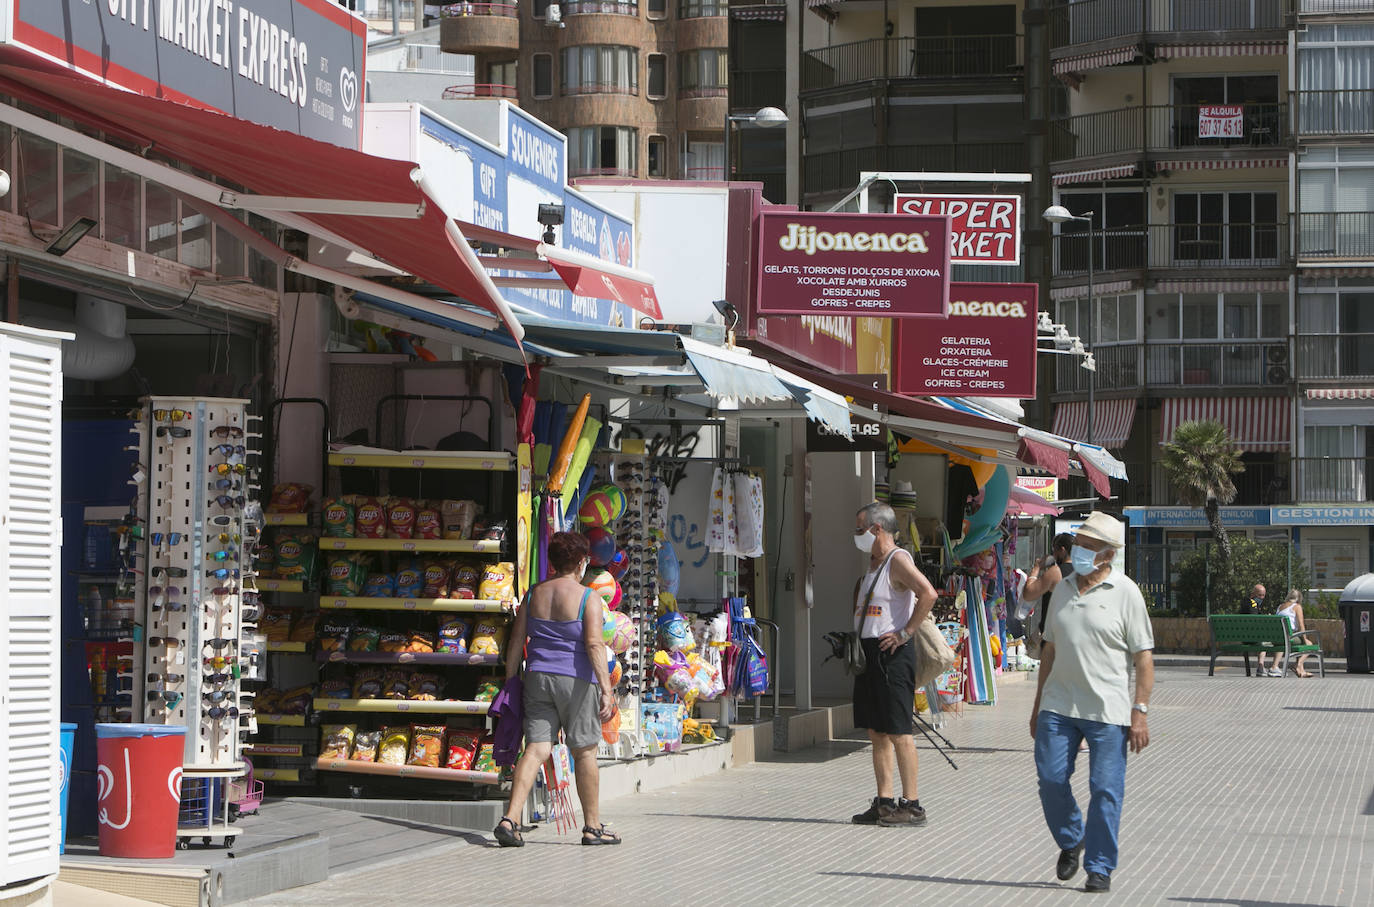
[765, 117]
[1058, 214]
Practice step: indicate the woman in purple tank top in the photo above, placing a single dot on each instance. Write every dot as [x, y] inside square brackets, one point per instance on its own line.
[567, 685]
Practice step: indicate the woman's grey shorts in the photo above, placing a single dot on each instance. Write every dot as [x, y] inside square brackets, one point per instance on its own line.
[554, 701]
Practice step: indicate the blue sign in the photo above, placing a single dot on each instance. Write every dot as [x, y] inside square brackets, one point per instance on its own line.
[534, 152]
[1351, 515]
[488, 171]
[1194, 517]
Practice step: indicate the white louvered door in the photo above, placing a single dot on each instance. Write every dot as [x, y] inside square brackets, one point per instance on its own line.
[30, 600]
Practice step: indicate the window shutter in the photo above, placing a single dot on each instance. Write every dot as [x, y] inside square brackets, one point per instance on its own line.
[30, 583]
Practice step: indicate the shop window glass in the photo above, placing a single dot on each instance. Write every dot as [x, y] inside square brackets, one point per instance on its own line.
[6, 162]
[38, 179]
[196, 237]
[161, 213]
[228, 254]
[123, 207]
[261, 270]
[80, 186]
[1273, 315]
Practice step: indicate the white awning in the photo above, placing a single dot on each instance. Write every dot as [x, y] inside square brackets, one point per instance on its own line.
[1234, 49]
[1093, 176]
[1230, 163]
[1096, 60]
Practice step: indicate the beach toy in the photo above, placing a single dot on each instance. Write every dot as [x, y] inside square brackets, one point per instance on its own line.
[605, 585]
[618, 631]
[600, 546]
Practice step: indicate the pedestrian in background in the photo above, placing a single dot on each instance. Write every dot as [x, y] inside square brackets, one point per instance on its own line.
[1292, 609]
[1097, 628]
[1255, 605]
[1044, 575]
[891, 601]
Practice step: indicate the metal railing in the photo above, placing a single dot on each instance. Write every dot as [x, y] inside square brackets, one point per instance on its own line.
[1129, 366]
[1261, 484]
[1336, 234]
[1332, 480]
[1335, 6]
[602, 171]
[702, 9]
[480, 90]
[1172, 246]
[774, 184]
[607, 7]
[761, 88]
[457, 10]
[829, 170]
[1086, 21]
[1337, 111]
[1161, 127]
[1322, 356]
[957, 57]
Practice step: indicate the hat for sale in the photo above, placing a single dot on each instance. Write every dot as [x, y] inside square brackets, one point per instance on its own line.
[1103, 527]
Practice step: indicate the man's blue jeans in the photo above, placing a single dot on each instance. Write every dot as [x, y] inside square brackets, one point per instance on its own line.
[1056, 747]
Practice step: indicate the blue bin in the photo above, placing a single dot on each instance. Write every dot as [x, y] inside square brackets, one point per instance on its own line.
[64, 780]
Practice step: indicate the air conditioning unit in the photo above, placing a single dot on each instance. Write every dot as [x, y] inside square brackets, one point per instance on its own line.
[553, 18]
[1276, 354]
[1277, 374]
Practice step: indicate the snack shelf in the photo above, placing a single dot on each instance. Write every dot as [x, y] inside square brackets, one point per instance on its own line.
[286, 519]
[406, 771]
[276, 774]
[480, 460]
[458, 546]
[262, 750]
[404, 658]
[287, 646]
[464, 605]
[267, 584]
[281, 720]
[430, 706]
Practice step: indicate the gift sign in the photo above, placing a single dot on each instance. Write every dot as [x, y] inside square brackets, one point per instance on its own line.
[1221, 121]
[985, 348]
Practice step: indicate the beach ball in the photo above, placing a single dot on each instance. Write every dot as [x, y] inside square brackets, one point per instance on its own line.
[618, 565]
[613, 668]
[603, 505]
[601, 546]
[605, 585]
[618, 632]
[617, 498]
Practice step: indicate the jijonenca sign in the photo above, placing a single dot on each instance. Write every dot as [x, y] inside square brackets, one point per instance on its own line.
[985, 348]
[296, 65]
[853, 264]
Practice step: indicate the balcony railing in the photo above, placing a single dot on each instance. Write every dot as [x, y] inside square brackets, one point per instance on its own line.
[960, 57]
[607, 7]
[1336, 234]
[454, 10]
[1323, 356]
[575, 170]
[1086, 21]
[1189, 363]
[480, 90]
[755, 89]
[1339, 111]
[1161, 127]
[1318, 7]
[1332, 480]
[774, 184]
[830, 170]
[1172, 246]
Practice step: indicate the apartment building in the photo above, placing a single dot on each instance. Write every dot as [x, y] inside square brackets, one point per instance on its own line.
[638, 86]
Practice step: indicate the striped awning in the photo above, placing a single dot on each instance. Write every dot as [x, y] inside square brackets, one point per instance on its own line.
[1221, 285]
[770, 13]
[1081, 291]
[1111, 421]
[1097, 60]
[1093, 176]
[1240, 49]
[1340, 393]
[1316, 272]
[1254, 423]
[1229, 163]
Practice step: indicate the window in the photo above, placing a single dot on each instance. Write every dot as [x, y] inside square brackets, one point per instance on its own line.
[603, 151]
[1335, 77]
[80, 186]
[123, 207]
[1336, 333]
[1335, 199]
[700, 9]
[543, 75]
[37, 179]
[541, 9]
[658, 76]
[600, 69]
[658, 155]
[704, 161]
[658, 9]
[501, 79]
[704, 73]
[1116, 319]
[1226, 227]
[1119, 223]
[1257, 95]
[611, 7]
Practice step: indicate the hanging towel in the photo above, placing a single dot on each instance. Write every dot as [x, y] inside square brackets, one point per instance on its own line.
[749, 515]
[980, 685]
[722, 536]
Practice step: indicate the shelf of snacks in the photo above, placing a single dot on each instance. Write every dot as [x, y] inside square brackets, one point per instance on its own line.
[281, 720]
[464, 605]
[276, 774]
[402, 658]
[479, 460]
[287, 646]
[406, 771]
[429, 706]
[272, 584]
[286, 519]
[455, 546]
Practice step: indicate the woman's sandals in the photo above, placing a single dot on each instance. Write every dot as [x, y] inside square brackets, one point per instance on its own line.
[598, 836]
[508, 833]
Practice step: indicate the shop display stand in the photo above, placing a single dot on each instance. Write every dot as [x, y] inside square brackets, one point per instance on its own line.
[639, 602]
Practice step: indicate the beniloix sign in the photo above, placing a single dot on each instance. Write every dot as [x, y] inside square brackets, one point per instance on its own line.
[983, 229]
[296, 65]
[985, 348]
[882, 265]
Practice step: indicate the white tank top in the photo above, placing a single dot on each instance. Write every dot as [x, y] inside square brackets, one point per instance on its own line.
[889, 609]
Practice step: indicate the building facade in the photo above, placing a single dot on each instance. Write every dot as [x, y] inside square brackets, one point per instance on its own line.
[638, 88]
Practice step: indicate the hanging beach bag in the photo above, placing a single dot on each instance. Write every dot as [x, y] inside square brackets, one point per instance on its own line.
[933, 655]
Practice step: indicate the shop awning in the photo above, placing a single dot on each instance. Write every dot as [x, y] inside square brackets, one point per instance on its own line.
[1340, 393]
[1081, 291]
[1222, 285]
[1094, 176]
[1086, 62]
[1050, 451]
[1111, 421]
[1235, 49]
[1255, 423]
[1229, 163]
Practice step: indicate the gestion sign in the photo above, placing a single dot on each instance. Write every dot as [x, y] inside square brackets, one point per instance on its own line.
[985, 348]
[881, 265]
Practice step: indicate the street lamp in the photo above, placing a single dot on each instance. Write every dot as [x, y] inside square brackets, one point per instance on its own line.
[1058, 214]
[764, 117]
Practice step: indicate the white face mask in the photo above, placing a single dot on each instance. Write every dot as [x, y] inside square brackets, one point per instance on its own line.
[864, 541]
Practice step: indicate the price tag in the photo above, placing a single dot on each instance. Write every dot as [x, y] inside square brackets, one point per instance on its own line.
[349, 461]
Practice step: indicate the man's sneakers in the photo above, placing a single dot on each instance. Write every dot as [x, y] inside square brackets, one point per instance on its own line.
[1067, 867]
[1098, 881]
[892, 814]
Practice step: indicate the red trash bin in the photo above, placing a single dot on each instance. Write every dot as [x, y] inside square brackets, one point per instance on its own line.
[139, 781]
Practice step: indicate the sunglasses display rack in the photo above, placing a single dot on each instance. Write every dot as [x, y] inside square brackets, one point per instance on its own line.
[195, 497]
[634, 475]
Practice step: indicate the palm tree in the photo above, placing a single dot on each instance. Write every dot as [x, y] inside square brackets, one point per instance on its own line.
[1200, 461]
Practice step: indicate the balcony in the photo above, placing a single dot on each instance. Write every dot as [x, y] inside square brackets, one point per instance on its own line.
[1091, 21]
[1128, 132]
[1328, 235]
[1341, 111]
[1326, 357]
[1330, 7]
[480, 90]
[829, 171]
[943, 58]
[603, 7]
[1175, 364]
[1172, 246]
[478, 28]
[1332, 480]
[759, 88]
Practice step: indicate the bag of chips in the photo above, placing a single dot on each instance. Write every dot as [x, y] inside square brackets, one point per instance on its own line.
[370, 520]
[426, 745]
[400, 518]
[367, 683]
[335, 689]
[345, 575]
[498, 582]
[380, 585]
[364, 639]
[396, 684]
[395, 746]
[424, 687]
[365, 746]
[268, 702]
[410, 581]
[338, 516]
[304, 628]
[458, 518]
[420, 642]
[336, 740]
[429, 521]
[295, 555]
[488, 637]
[486, 691]
[276, 625]
[393, 641]
[486, 758]
[435, 580]
[333, 635]
[296, 701]
[290, 497]
[266, 560]
[466, 578]
[453, 634]
[490, 531]
[462, 748]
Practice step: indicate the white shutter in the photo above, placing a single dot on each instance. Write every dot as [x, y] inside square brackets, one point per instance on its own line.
[30, 584]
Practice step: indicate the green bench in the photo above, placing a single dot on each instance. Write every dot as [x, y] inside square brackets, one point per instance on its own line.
[1243, 634]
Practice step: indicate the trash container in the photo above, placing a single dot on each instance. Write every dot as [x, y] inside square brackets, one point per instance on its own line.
[1357, 610]
[139, 776]
[67, 738]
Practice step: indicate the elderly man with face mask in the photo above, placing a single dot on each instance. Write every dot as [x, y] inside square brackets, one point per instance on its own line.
[1098, 628]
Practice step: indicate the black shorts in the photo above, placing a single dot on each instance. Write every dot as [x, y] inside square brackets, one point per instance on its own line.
[885, 694]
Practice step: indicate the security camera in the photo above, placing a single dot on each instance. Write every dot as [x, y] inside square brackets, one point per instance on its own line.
[550, 215]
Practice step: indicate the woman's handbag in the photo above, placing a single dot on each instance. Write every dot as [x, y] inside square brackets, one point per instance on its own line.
[933, 655]
[855, 661]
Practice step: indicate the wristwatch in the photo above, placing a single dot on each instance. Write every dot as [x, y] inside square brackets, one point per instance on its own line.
[1141, 707]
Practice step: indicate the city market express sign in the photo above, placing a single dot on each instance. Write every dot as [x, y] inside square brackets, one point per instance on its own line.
[882, 265]
[985, 348]
[296, 66]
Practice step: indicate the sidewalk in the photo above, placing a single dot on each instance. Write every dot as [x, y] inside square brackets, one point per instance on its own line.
[1253, 792]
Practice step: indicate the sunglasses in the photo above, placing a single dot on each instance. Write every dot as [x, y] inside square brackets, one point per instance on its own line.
[228, 450]
[220, 662]
[174, 431]
[225, 468]
[170, 642]
[226, 501]
[227, 484]
[165, 695]
[227, 431]
[217, 695]
[166, 678]
[223, 520]
[222, 573]
[169, 571]
[224, 555]
[219, 712]
[216, 679]
[223, 590]
[168, 591]
[219, 643]
[159, 604]
[173, 415]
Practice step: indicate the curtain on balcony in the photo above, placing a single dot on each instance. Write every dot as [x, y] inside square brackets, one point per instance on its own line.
[1256, 424]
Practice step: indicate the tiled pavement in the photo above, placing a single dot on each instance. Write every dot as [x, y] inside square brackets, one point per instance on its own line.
[1252, 792]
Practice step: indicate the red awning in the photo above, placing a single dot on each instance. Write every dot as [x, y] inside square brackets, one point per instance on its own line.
[1097, 477]
[272, 162]
[1254, 423]
[1340, 393]
[1044, 456]
[1111, 421]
